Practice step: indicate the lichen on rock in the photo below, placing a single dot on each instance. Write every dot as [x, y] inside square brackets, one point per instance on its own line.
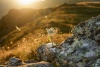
[80, 50]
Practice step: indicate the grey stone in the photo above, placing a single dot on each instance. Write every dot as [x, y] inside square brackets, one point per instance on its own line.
[80, 50]
[80, 64]
[97, 64]
[45, 52]
[90, 54]
[14, 62]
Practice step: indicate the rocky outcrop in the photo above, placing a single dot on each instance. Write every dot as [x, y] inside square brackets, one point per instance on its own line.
[47, 54]
[80, 50]
[14, 62]
[29, 63]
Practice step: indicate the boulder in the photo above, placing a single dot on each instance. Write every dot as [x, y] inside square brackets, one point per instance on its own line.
[15, 62]
[41, 64]
[97, 64]
[45, 53]
[80, 50]
[88, 29]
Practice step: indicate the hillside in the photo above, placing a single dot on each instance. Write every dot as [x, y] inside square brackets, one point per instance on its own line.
[90, 4]
[33, 23]
[19, 18]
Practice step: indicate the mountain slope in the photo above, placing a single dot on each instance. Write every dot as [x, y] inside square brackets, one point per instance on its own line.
[19, 18]
[23, 31]
[90, 4]
[63, 17]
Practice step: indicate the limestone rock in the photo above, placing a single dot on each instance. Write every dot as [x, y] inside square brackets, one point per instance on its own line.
[80, 64]
[45, 52]
[14, 62]
[80, 50]
[97, 64]
[88, 29]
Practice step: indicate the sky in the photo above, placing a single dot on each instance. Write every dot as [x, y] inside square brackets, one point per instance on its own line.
[6, 5]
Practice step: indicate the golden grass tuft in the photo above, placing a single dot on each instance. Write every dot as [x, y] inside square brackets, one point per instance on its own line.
[26, 47]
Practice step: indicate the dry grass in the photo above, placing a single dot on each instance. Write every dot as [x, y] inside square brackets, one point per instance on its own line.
[26, 47]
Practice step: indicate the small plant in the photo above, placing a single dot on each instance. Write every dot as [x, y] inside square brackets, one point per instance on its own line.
[51, 32]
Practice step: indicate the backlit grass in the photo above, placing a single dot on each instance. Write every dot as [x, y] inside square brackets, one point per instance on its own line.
[26, 47]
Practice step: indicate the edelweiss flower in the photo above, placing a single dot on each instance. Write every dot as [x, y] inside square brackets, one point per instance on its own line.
[50, 31]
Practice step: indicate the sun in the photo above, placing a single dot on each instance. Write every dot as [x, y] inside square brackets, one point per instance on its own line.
[26, 2]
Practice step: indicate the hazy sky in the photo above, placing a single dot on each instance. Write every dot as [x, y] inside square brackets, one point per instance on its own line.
[6, 5]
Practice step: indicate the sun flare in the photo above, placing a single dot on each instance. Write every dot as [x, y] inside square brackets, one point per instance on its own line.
[26, 2]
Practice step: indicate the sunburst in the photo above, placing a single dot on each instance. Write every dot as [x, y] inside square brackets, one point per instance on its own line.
[27, 2]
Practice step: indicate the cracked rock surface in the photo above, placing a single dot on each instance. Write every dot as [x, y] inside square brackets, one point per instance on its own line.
[80, 50]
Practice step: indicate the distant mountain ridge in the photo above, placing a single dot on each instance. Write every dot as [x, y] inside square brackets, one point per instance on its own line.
[91, 4]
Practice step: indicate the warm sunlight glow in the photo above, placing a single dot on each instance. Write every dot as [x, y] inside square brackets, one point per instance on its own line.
[27, 2]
